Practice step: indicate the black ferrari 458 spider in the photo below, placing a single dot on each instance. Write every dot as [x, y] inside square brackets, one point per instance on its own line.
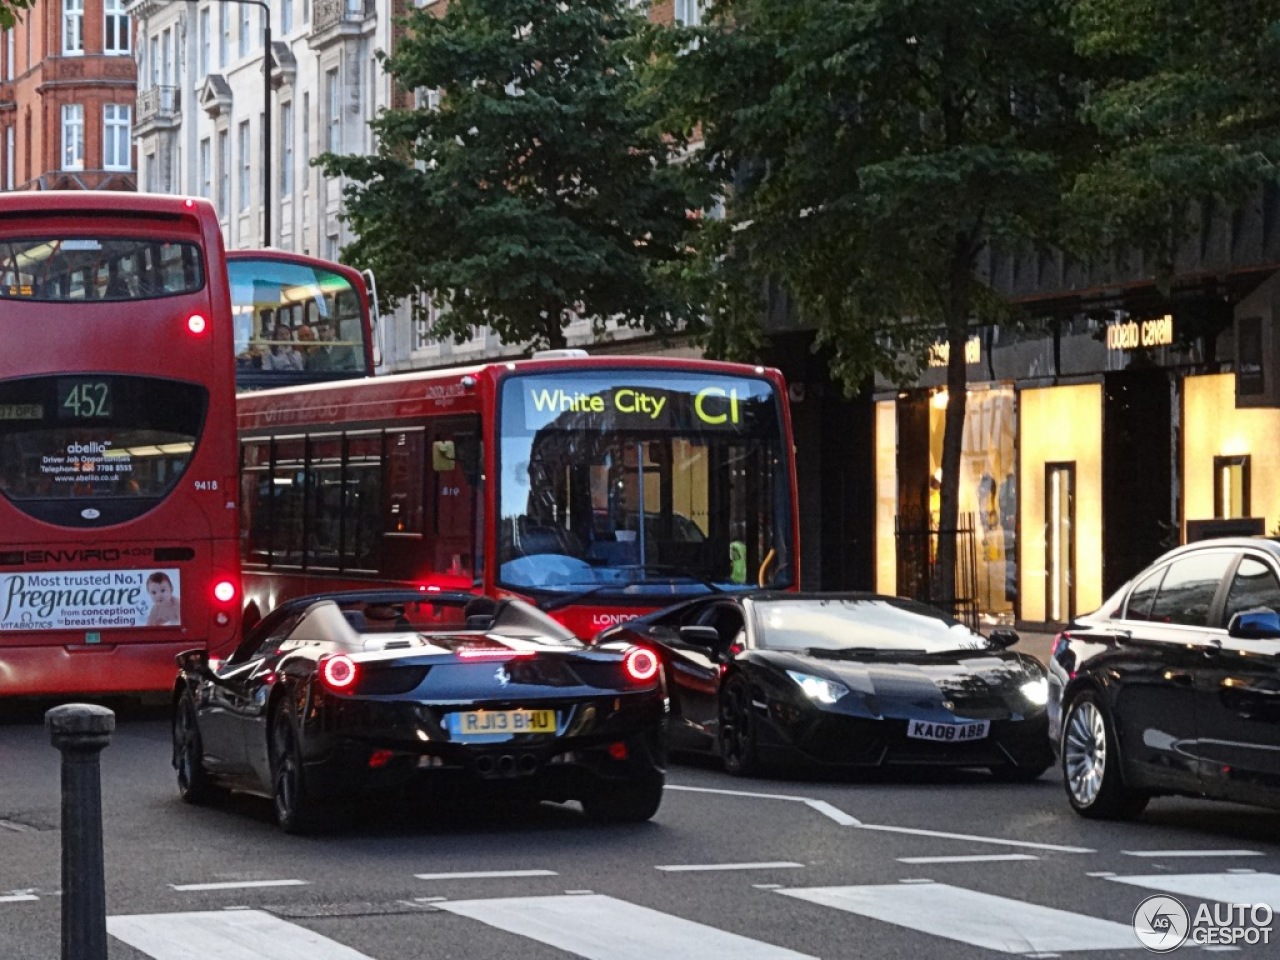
[336, 695]
[844, 680]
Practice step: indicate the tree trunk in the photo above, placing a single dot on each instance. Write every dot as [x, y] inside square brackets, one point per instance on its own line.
[957, 323]
[554, 330]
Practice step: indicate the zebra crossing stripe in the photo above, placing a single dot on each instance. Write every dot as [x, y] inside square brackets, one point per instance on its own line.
[225, 935]
[979, 919]
[597, 927]
[1225, 887]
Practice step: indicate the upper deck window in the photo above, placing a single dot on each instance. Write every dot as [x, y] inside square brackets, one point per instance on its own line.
[84, 268]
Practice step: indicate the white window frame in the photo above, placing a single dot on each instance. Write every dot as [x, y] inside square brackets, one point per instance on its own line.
[286, 149]
[333, 107]
[245, 36]
[286, 17]
[72, 28]
[223, 201]
[245, 186]
[224, 35]
[117, 129]
[205, 40]
[72, 136]
[206, 168]
[113, 15]
[688, 13]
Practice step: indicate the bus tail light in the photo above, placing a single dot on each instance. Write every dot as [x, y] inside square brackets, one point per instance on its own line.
[197, 324]
[640, 664]
[338, 672]
[224, 591]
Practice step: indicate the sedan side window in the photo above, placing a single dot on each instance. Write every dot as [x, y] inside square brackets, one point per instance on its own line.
[1189, 587]
[1139, 606]
[1253, 586]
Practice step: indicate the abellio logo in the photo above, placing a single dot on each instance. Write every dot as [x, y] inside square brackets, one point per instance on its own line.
[1161, 923]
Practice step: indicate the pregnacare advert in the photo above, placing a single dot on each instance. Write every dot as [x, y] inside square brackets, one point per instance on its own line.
[89, 599]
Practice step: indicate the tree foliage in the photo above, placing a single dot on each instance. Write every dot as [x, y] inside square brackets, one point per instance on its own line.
[540, 185]
[11, 10]
[1186, 97]
[875, 147]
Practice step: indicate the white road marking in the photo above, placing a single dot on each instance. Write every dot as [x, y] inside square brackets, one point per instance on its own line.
[684, 867]
[979, 919]
[486, 874]
[238, 884]
[975, 839]
[975, 858]
[225, 935]
[602, 928]
[1225, 887]
[738, 793]
[17, 897]
[1172, 854]
[835, 813]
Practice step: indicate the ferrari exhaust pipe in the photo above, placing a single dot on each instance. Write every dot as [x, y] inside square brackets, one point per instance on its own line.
[528, 763]
[506, 764]
[484, 766]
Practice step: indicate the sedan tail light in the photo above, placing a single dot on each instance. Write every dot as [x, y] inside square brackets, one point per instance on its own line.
[640, 664]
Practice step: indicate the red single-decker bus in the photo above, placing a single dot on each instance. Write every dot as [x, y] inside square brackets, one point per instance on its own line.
[598, 487]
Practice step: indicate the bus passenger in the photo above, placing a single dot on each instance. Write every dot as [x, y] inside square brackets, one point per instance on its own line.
[282, 355]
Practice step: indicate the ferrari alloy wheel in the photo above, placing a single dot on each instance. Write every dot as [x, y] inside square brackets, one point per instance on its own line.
[623, 802]
[288, 777]
[194, 784]
[738, 747]
[1091, 764]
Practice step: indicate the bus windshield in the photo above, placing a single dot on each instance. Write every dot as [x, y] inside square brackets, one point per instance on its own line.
[78, 268]
[635, 481]
[295, 321]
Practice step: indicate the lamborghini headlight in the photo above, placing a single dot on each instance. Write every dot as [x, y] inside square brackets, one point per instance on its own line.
[1036, 691]
[818, 688]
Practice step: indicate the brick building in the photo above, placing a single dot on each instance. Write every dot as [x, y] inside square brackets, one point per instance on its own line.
[67, 90]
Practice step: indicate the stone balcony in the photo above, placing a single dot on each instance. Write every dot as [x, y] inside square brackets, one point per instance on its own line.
[336, 20]
[159, 108]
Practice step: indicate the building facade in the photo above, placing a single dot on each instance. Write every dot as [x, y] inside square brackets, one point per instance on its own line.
[67, 82]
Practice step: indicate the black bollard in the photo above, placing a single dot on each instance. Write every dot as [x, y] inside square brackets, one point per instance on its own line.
[81, 731]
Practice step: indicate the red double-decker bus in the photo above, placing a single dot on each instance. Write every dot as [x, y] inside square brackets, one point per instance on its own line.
[118, 519]
[298, 319]
[598, 487]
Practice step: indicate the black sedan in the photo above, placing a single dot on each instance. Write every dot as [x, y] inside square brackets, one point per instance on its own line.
[337, 695]
[1173, 686]
[844, 680]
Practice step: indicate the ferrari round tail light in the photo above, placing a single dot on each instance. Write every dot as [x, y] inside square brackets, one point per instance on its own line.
[224, 591]
[640, 664]
[338, 672]
[197, 324]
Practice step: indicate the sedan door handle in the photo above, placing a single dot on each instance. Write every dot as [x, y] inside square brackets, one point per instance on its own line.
[1179, 679]
[1212, 648]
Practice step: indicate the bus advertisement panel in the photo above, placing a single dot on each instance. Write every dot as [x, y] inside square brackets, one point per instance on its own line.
[298, 319]
[599, 488]
[118, 532]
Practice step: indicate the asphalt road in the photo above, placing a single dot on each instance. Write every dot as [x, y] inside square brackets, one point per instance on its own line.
[943, 865]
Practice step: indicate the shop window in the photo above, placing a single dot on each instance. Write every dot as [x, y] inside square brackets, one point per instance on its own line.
[1231, 487]
[1060, 543]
